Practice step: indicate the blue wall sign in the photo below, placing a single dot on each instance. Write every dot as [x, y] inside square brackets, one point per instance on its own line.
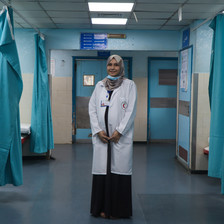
[186, 38]
[93, 41]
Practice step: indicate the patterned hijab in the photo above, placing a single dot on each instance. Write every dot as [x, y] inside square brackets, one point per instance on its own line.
[109, 84]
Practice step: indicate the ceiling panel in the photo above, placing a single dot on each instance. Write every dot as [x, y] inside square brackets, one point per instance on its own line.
[62, 6]
[22, 1]
[35, 20]
[32, 14]
[212, 8]
[157, 7]
[75, 1]
[66, 14]
[151, 14]
[73, 26]
[161, 1]
[45, 25]
[206, 1]
[147, 21]
[23, 25]
[71, 20]
[26, 6]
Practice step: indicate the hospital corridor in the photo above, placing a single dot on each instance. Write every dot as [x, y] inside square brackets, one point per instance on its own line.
[111, 111]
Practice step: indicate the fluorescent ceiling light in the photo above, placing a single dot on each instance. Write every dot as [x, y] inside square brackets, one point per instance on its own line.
[110, 7]
[109, 21]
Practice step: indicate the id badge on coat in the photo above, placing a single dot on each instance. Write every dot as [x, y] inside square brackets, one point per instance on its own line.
[105, 103]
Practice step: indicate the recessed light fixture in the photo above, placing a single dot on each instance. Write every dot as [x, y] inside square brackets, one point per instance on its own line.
[109, 21]
[180, 14]
[110, 7]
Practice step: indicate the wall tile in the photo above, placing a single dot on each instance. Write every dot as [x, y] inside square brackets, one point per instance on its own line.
[62, 109]
[140, 132]
[26, 98]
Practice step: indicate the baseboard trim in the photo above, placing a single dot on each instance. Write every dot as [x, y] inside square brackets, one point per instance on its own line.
[84, 141]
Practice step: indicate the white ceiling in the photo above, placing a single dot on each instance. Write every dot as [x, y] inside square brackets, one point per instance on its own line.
[151, 14]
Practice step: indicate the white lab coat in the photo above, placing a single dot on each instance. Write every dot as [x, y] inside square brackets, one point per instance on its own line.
[122, 111]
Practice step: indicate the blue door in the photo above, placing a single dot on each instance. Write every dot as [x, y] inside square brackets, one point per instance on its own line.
[162, 99]
[87, 72]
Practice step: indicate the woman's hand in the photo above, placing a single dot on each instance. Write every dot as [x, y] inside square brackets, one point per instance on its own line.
[115, 137]
[103, 136]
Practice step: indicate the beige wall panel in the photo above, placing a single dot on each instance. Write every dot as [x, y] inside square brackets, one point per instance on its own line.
[59, 83]
[203, 122]
[140, 132]
[62, 109]
[69, 84]
[26, 98]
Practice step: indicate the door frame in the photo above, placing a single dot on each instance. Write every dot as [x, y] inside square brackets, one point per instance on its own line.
[74, 77]
[150, 59]
[191, 160]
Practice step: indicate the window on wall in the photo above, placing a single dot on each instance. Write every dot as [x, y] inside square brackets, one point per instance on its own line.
[88, 80]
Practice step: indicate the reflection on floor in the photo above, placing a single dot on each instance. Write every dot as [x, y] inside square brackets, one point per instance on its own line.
[58, 191]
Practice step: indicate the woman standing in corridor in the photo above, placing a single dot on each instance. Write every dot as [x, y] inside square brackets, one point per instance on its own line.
[112, 109]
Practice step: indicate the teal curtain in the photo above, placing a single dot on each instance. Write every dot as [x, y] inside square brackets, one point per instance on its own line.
[216, 95]
[11, 87]
[41, 139]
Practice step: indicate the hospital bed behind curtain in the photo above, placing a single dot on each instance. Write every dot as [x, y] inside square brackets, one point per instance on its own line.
[41, 139]
[216, 94]
[10, 92]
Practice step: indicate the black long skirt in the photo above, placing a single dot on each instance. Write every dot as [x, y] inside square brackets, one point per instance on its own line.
[111, 194]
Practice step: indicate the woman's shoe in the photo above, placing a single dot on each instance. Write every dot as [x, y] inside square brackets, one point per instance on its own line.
[103, 215]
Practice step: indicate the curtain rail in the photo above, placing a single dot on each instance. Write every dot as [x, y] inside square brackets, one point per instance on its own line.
[36, 29]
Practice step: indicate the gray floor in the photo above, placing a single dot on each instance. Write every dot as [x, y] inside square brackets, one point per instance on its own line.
[58, 191]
